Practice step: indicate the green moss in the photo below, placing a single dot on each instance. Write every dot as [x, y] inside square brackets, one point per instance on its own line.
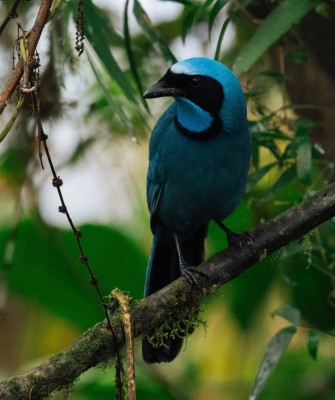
[176, 327]
[66, 390]
[308, 247]
[13, 387]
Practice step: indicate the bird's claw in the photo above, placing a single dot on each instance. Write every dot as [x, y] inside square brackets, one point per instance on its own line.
[189, 272]
[240, 239]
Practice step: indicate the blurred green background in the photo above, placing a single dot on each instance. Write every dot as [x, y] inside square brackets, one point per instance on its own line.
[98, 128]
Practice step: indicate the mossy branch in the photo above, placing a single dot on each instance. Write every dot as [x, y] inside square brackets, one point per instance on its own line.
[95, 346]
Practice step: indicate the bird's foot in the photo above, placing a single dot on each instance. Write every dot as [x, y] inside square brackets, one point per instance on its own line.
[189, 273]
[238, 239]
[241, 239]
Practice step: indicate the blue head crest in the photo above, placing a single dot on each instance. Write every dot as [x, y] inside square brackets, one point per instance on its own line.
[203, 66]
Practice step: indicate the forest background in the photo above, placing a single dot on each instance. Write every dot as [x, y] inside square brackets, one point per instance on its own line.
[98, 127]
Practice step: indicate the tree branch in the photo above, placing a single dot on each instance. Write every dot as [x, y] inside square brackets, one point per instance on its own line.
[34, 37]
[12, 14]
[96, 345]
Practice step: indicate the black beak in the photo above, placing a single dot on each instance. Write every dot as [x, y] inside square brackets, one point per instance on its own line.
[162, 89]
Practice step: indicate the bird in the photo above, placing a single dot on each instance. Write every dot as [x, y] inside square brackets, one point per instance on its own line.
[199, 156]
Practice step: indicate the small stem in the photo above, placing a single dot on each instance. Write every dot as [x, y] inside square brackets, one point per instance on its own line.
[11, 15]
[33, 39]
[57, 183]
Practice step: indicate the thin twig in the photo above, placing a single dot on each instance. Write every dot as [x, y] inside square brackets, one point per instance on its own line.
[33, 39]
[11, 15]
[57, 183]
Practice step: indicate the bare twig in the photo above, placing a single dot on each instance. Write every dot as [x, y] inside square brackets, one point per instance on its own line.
[95, 345]
[57, 182]
[13, 118]
[11, 14]
[33, 39]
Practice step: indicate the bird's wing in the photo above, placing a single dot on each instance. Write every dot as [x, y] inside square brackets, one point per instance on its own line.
[154, 191]
[156, 173]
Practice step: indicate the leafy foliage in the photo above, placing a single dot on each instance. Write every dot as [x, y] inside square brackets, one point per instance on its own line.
[272, 355]
[277, 23]
[46, 257]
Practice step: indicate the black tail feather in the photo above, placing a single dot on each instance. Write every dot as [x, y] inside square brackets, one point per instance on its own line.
[163, 269]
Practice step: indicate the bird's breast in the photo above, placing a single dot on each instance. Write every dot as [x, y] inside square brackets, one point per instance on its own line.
[202, 180]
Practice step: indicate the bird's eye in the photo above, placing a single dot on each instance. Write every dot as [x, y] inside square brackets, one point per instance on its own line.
[195, 81]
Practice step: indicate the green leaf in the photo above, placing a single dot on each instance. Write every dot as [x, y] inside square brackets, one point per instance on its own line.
[46, 269]
[193, 14]
[188, 21]
[298, 57]
[286, 177]
[273, 74]
[277, 23]
[254, 156]
[13, 164]
[272, 355]
[219, 43]
[12, 119]
[257, 175]
[260, 139]
[131, 56]
[304, 150]
[116, 107]
[97, 33]
[324, 9]
[219, 4]
[82, 147]
[289, 313]
[271, 135]
[316, 310]
[147, 27]
[304, 160]
[313, 341]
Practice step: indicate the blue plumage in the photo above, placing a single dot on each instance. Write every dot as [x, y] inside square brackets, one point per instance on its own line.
[198, 163]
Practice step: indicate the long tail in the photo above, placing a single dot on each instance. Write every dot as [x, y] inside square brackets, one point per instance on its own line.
[163, 268]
